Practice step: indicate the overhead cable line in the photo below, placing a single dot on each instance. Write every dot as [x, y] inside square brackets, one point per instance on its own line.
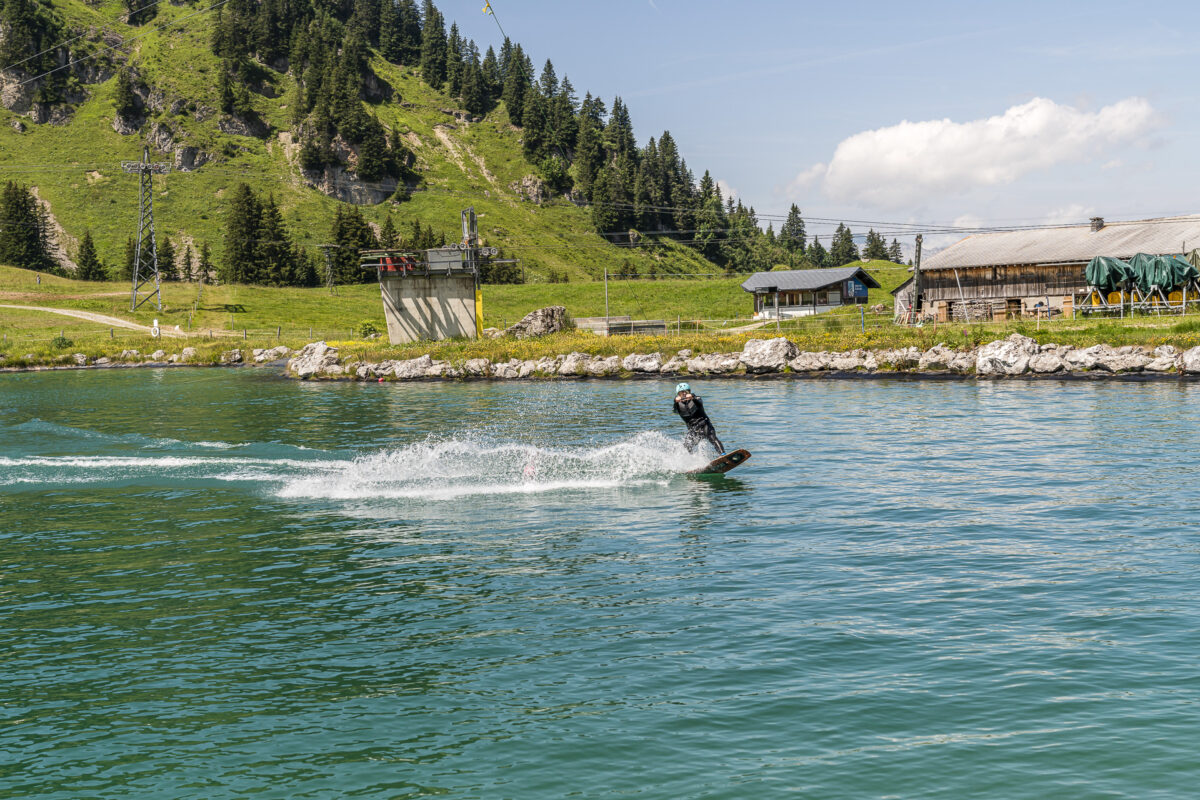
[75, 39]
[110, 48]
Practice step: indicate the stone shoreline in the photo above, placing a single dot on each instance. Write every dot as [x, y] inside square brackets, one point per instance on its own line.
[132, 359]
[1016, 356]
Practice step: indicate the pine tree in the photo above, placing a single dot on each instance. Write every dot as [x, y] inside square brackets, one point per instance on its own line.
[372, 154]
[842, 250]
[128, 263]
[351, 233]
[389, 239]
[895, 252]
[391, 34]
[589, 151]
[90, 268]
[189, 263]
[23, 241]
[492, 80]
[876, 247]
[816, 255]
[533, 119]
[454, 62]
[166, 259]
[792, 234]
[243, 221]
[124, 99]
[433, 46]
[474, 94]
[548, 84]
[204, 268]
[274, 254]
[604, 215]
[409, 22]
[516, 84]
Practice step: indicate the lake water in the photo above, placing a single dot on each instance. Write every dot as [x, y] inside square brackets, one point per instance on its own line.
[222, 584]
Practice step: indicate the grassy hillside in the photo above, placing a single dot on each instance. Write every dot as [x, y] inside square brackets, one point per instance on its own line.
[76, 167]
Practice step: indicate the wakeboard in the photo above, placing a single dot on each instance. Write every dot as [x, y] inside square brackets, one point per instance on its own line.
[723, 464]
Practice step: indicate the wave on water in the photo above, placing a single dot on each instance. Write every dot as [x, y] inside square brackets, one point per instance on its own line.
[453, 468]
[432, 470]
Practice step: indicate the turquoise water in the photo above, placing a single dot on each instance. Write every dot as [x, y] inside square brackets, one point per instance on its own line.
[222, 584]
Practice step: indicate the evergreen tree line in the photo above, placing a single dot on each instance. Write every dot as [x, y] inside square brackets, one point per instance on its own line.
[842, 249]
[24, 230]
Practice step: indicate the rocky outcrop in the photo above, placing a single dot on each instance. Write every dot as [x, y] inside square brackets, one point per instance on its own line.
[188, 158]
[315, 359]
[574, 364]
[550, 319]
[232, 357]
[647, 365]
[1189, 362]
[768, 355]
[1007, 357]
[274, 354]
[603, 367]
[531, 188]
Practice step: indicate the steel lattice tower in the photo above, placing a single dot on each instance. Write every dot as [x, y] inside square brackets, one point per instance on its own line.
[145, 274]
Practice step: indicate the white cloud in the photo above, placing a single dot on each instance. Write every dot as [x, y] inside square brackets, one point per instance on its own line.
[727, 191]
[916, 161]
[1073, 214]
[799, 186]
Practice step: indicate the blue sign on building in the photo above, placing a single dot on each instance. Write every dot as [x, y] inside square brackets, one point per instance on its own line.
[855, 288]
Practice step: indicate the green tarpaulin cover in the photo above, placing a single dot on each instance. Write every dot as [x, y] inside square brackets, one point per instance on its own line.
[1151, 271]
[1185, 271]
[1144, 270]
[1107, 274]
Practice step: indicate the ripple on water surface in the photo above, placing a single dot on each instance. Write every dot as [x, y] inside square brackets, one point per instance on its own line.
[937, 590]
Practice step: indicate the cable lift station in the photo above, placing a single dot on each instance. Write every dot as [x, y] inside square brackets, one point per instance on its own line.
[433, 294]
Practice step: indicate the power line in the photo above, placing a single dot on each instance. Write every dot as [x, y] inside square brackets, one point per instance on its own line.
[75, 39]
[110, 48]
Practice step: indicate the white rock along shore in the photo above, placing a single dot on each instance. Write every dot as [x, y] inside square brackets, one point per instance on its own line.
[1012, 357]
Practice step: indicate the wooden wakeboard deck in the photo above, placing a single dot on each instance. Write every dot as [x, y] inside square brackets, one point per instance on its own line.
[723, 464]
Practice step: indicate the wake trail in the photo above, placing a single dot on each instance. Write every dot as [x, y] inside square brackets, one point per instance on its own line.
[432, 470]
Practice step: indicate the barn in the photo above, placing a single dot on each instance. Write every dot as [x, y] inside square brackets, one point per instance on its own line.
[1013, 273]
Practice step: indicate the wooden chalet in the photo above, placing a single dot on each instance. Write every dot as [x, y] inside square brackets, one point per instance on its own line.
[803, 292]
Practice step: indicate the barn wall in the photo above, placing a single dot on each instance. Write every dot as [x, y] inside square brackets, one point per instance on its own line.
[1002, 283]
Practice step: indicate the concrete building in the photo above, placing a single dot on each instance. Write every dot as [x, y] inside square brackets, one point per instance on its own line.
[429, 300]
[1012, 273]
[803, 292]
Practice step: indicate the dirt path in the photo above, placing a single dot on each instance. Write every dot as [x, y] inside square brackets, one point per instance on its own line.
[113, 322]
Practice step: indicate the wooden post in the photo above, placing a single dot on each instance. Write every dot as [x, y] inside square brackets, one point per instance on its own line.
[606, 323]
[777, 311]
[916, 279]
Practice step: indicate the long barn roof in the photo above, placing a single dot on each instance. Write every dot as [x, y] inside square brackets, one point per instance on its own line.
[1076, 243]
[806, 280]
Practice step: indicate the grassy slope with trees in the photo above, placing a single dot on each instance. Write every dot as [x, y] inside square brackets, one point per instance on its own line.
[76, 167]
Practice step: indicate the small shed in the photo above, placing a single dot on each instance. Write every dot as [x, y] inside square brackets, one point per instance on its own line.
[803, 292]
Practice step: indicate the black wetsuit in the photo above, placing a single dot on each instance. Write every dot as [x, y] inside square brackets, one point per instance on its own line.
[699, 426]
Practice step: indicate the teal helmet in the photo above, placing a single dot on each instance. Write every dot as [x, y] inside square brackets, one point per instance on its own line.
[683, 387]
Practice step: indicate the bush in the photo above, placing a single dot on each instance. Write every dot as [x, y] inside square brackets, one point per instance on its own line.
[61, 342]
[367, 329]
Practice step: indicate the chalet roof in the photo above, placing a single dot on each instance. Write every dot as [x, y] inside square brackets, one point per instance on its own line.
[806, 280]
[1071, 244]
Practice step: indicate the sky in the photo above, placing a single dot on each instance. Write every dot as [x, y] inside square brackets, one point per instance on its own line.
[991, 113]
